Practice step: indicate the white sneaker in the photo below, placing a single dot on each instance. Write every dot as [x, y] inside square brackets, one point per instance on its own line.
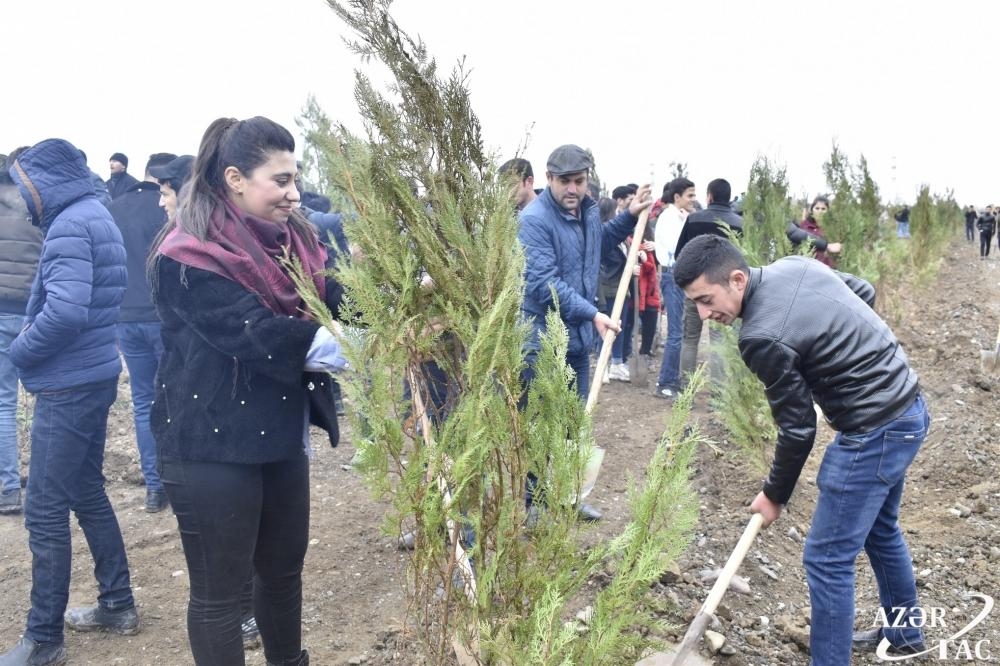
[619, 372]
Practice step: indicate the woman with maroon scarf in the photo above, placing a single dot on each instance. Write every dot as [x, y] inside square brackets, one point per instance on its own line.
[822, 250]
[243, 374]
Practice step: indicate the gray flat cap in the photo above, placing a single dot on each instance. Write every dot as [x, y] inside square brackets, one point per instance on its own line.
[568, 159]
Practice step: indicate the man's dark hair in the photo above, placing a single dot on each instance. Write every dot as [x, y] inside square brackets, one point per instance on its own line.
[518, 165]
[675, 187]
[709, 255]
[315, 201]
[159, 159]
[721, 191]
[623, 191]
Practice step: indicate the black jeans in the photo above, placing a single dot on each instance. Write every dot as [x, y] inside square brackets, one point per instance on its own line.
[984, 244]
[235, 519]
[649, 318]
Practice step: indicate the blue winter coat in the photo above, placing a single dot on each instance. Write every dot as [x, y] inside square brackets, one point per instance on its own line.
[70, 337]
[564, 253]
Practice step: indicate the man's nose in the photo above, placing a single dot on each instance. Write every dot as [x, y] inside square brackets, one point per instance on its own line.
[703, 311]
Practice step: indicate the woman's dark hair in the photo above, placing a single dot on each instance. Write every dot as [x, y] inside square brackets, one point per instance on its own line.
[819, 199]
[607, 208]
[244, 144]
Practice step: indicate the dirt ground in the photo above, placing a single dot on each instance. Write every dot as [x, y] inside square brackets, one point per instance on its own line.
[353, 601]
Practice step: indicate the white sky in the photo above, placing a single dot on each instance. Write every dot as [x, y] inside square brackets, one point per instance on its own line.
[711, 83]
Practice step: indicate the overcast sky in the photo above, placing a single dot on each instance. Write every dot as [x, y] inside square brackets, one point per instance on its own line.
[711, 83]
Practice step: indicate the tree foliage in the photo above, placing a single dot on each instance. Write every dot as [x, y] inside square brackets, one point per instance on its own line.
[436, 302]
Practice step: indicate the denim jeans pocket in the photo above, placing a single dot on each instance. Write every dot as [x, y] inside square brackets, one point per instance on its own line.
[899, 448]
[851, 442]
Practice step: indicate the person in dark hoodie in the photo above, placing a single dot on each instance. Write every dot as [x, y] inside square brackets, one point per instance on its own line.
[121, 180]
[140, 219]
[22, 243]
[66, 355]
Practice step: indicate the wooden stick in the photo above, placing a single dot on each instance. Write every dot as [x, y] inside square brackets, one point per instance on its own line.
[464, 653]
[701, 620]
[616, 310]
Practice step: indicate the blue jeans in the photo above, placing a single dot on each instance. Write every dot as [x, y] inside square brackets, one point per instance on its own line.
[621, 348]
[67, 455]
[673, 302]
[10, 477]
[141, 345]
[902, 229]
[860, 485]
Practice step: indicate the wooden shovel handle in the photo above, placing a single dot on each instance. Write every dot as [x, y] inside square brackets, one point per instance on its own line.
[700, 622]
[616, 311]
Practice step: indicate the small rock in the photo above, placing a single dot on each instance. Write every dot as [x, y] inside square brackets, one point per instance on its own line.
[714, 640]
[963, 511]
[764, 621]
[586, 615]
[360, 659]
[346, 468]
[924, 573]
[671, 574]
[994, 553]
[799, 636]
[794, 535]
[768, 572]
[957, 389]
[727, 650]
[179, 572]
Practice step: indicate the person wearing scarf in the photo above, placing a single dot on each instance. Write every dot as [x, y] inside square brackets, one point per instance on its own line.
[244, 372]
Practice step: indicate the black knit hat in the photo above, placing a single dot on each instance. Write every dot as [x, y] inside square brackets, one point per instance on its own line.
[120, 157]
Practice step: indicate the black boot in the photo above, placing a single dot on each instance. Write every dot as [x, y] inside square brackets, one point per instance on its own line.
[29, 653]
[301, 660]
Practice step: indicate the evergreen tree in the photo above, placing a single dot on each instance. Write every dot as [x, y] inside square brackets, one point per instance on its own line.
[440, 286]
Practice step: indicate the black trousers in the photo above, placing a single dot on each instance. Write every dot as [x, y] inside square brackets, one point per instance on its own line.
[984, 244]
[236, 519]
[649, 318]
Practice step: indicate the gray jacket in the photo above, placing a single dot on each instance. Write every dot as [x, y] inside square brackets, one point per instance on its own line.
[21, 244]
[809, 333]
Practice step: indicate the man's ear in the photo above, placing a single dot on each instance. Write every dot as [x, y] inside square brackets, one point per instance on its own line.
[234, 179]
[738, 279]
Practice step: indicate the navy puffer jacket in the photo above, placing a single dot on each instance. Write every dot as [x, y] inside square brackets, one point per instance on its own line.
[81, 278]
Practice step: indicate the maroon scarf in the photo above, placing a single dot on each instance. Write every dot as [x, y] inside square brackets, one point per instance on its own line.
[247, 250]
[812, 227]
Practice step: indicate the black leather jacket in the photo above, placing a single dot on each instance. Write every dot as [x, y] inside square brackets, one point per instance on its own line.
[809, 333]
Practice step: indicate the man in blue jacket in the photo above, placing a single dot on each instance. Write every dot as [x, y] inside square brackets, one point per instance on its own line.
[563, 241]
[66, 356]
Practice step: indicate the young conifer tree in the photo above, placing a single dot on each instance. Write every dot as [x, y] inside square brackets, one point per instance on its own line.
[435, 292]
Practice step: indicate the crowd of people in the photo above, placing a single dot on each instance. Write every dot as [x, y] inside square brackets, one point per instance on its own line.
[986, 224]
[182, 274]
